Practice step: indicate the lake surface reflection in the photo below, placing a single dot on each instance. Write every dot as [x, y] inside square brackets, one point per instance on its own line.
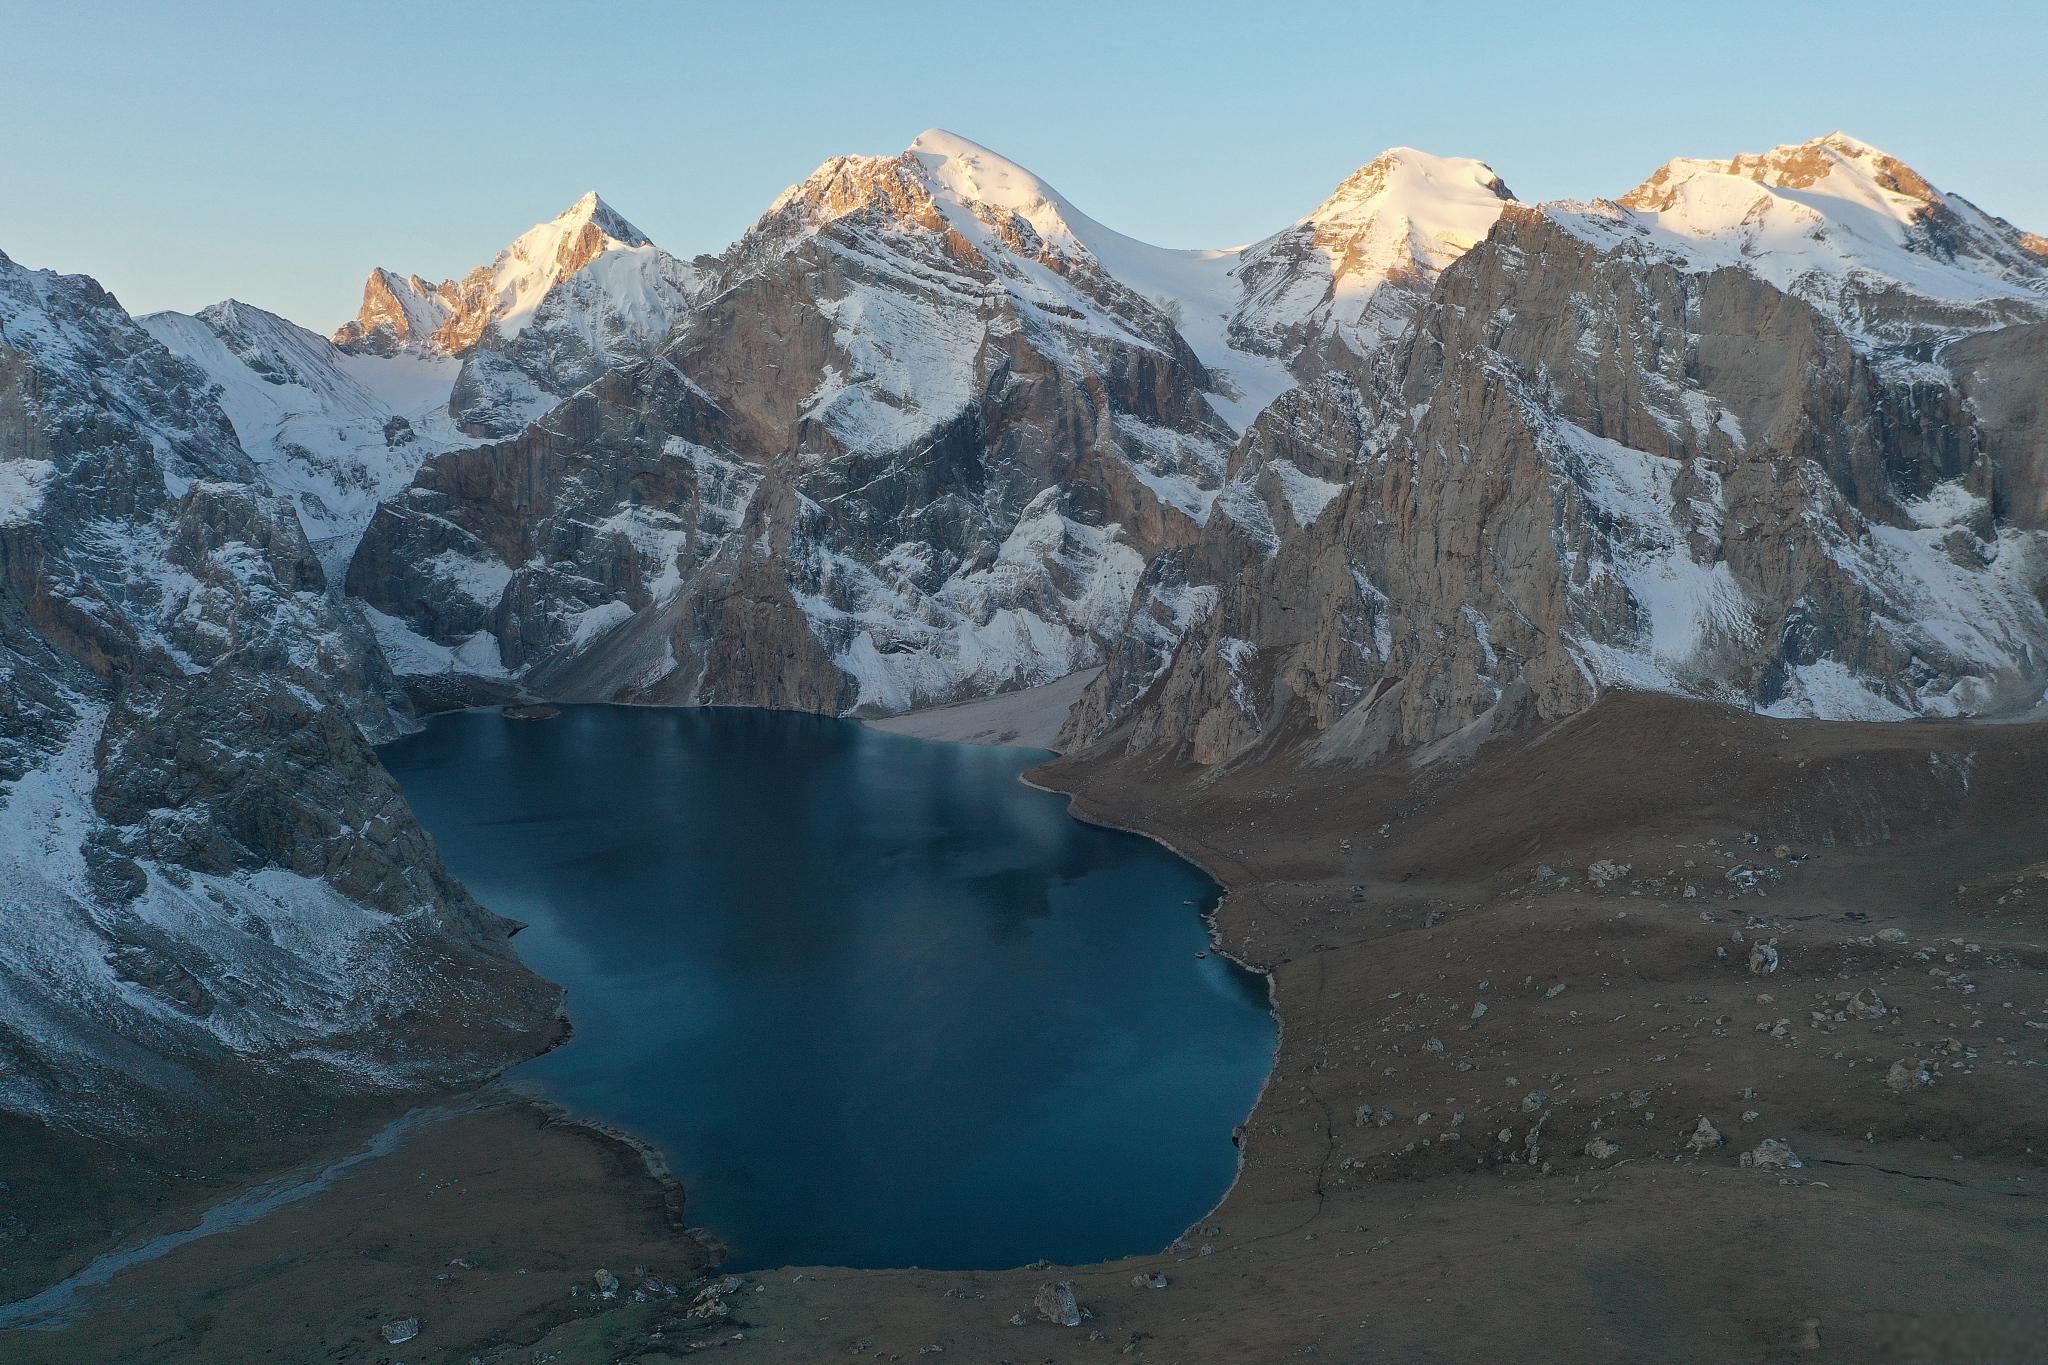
[878, 1002]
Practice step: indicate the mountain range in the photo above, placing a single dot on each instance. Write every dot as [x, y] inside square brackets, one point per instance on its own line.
[1425, 464]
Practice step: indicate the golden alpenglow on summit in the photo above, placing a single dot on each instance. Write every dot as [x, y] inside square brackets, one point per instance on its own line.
[1166, 743]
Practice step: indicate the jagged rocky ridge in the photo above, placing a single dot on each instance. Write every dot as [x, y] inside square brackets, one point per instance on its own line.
[565, 301]
[915, 440]
[910, 445]
[213, 894]
[1764, 450]
[1424, 463]
[927, 422]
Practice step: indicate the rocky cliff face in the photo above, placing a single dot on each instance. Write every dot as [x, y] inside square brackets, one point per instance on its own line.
[916, 442]
[938, 422]
[213, 894]
[1424, 464]
[1603, 456]
[565, 301]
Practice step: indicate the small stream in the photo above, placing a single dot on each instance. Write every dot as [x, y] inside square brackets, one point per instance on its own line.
[61, 1303]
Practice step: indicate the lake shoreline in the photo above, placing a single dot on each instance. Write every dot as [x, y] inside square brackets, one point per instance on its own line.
[1385, 893]
[937, 872]
[1210, 918]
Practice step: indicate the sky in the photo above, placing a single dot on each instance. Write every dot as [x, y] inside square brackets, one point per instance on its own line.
[183, 153]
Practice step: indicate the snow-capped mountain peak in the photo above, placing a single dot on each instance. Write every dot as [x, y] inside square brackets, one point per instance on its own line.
[1836, 166]
[1442, 205]
[941, 181]
[967, 174]
[592, 209]
[1196, 288]
[506, 293]
[450, 318]
[568, 297]
[1399, 219]
[1850, 228]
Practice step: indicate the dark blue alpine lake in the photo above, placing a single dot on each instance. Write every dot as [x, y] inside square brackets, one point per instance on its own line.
[878, 1002]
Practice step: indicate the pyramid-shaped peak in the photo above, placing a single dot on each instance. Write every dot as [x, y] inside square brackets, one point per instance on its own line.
[591, 209]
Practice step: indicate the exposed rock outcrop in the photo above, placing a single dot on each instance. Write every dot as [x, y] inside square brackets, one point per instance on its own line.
[211, 886]
[914, 444]
[1594, 462]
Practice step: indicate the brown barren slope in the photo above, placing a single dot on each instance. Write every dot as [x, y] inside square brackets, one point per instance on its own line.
[1426, 1180]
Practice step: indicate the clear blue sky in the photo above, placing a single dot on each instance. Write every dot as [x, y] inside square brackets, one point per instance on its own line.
[275, 152]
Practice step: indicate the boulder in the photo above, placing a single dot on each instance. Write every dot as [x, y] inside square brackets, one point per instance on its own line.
[1772, 1155]
[1055, 1302]
[1908, 1073]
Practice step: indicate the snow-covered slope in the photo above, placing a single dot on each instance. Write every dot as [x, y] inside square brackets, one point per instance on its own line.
[1853, 231]
[1766, 431]
[1249, 312]
[333, 431]
[211, 897]
[1358, 266]
[567, 299]
[1196, 289]
[914, 442]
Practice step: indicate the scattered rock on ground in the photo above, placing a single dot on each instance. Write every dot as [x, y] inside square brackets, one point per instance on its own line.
[1772, 1155]
[1908, 1073]
[1055, 1302]
[1606, 871]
